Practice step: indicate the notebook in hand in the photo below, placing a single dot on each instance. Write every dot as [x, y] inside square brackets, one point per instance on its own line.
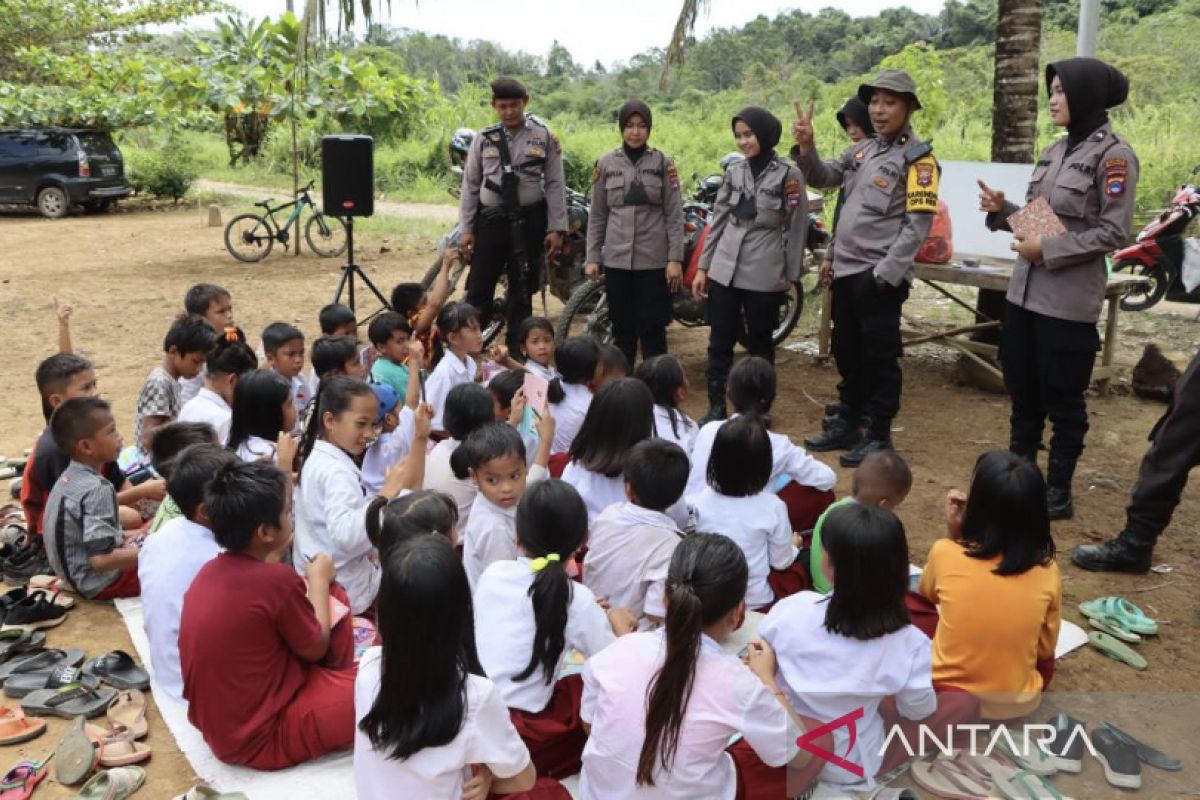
[1036, 219]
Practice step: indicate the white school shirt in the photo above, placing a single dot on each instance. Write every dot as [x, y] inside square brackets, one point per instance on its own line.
[629, 551]
[440, 478]
[487, 736]
[545, 373]
[685, 425]
[257, 448]
[726, 699]
[491, 531]
[166, 568]
[208, 406]
[600, 491]
[449, 372]
[505, 627]
[302, 394]
[388, 450]
[786, 459]
[759, 525]
[190, 387]
[330, 513]
[568, 415]
[827, 675]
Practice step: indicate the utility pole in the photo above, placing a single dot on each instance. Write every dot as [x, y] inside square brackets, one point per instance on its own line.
[1089, 27]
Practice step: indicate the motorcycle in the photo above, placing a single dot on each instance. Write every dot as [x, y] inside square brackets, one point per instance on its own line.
[1157, 253]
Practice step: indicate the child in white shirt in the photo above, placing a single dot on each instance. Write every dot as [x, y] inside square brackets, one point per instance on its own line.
[529, 614]
[468, 406]
[669, 385]
[458, 326]
[737, 504]
[212, 404]
[171, 558]
[283, 346]
[428, 724]
[396, 421]
[496, 458]
[263, 418]
[854, 649]
[578, 362]
[631, 543]
[697, 695]
[409, 515]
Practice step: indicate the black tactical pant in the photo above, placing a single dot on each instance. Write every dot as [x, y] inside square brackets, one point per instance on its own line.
[1165, 467]
[639, 305]
[1047, 368]
[493, 254]
[867, 348]
[726, 308]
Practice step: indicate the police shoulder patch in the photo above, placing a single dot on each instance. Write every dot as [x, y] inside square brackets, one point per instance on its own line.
[596, 173]
[1116, 176]
[672, 175]
[922, 185]
[793, 192]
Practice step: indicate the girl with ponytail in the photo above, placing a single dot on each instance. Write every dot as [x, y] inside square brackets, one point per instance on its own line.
[529, 614]
[674, 697]
[229, 358]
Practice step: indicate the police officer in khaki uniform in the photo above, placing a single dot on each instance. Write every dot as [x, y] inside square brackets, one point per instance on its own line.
[635, 230]
[535, 166]
[1049, 340]
[890, 186]
[754, 248]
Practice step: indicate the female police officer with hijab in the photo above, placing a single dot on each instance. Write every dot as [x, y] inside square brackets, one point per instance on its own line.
[746, 264]
[635, 229]
[1049, 340]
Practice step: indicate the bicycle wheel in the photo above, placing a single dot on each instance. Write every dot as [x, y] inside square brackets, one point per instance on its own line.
[248, 237]
[325, 235]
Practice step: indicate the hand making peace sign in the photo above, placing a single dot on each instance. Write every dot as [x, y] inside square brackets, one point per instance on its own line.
[802, 128]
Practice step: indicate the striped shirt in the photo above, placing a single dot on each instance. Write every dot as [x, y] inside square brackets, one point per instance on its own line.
[81, 521]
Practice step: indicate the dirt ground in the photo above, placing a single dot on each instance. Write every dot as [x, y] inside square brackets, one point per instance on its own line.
[126, 273]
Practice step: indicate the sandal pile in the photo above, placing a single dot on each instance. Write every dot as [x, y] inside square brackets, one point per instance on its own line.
[1118, 624]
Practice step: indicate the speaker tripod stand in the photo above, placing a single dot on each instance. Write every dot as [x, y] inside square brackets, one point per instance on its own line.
[350, 269]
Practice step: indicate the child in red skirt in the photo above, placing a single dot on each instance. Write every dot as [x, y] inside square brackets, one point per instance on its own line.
[267, 673]
[674, 698]
[529, 614]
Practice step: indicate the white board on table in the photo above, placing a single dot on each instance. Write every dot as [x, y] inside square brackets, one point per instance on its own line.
[961, 192]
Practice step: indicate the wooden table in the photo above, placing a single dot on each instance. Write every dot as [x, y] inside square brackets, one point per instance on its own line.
[995, 277]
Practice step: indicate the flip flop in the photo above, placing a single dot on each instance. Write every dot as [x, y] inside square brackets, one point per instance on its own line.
[948, 778]
[113, 784]
[118, 747]
[1032, 757]
[986, 768]
[41, 661]
[15, 727]
[1114, 629]
[20, 781]
[51, 583]
[118, 669]
[1024, 785]
[14, 642]
[128, 710]
[205, 793]
[76, 755]
[1116, 650]
[23, 683]
[1146, 753]
[70, 701]
[1125, 613]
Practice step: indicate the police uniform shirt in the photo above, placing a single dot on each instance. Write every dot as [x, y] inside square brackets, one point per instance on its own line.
[536, 157]
[1091, 189]
[891, 193]
[746, 246]
[636, 215]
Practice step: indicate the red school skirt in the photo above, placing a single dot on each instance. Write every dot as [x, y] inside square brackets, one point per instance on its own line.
[555, 735]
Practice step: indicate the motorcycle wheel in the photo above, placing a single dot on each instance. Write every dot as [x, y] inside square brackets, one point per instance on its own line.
[586, 313]
[789, 314]
[1142, 299]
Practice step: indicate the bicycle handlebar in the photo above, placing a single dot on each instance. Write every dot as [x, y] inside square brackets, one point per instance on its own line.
[307, 188]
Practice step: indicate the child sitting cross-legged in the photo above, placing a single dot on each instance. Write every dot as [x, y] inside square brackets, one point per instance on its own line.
[529, 614]
[268, 673]
[337, 319]
[172, 557]
[396, 417]
[185, 349]
[228, 360]
[570, 395]
[412, 514]
[496, 458]
[165, 450]
[669, 384]
[390, 333]
[458, 327]
[337, 355]
[468, 406]
[263, 419]
[421, 308]
[215, 305]
[84, 541]
[283, 345]
[630, 544]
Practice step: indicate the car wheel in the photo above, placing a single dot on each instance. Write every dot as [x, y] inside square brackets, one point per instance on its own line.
[53, 202]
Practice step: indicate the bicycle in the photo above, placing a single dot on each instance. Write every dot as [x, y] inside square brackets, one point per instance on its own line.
[250, 237]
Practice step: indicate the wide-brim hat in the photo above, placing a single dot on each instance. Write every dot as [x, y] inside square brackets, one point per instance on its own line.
[893, 80]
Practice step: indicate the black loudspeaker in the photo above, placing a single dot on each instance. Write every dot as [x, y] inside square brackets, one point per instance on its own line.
[348, 175]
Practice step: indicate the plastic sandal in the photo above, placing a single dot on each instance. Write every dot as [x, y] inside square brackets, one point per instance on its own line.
[76, 755]
[947, 778]
[15, 727]
[1155, 758]
[118, 747]
[118, 669]
[128, 710]
[51, 583]
[113, 784]
[40, 661]
[205, 793]
[1125, 613]
[1031, 757]
[1113, 628]
[1023, 785]
[1116, 650]
[70, 701]
[21, 780]
[23, 683]
[15, 642]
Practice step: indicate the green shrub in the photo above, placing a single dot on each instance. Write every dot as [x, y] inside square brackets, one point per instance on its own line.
[169, 173]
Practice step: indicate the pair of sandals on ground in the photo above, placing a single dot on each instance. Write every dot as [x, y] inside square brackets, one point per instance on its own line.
[1118, 622]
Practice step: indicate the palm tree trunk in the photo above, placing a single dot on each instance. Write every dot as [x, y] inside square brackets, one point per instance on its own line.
[1015, 94]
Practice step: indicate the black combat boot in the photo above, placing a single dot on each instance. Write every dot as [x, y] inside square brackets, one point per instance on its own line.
[1128, 552]
[838, 434]
[865, 448]
[1059, 472]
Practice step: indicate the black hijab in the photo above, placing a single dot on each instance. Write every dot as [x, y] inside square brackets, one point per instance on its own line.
[632, 108]
[767, 129]
[856, 111]
[1091, 87]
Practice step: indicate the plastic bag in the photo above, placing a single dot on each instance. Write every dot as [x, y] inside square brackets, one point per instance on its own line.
[1191, 263]
[938, 247]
